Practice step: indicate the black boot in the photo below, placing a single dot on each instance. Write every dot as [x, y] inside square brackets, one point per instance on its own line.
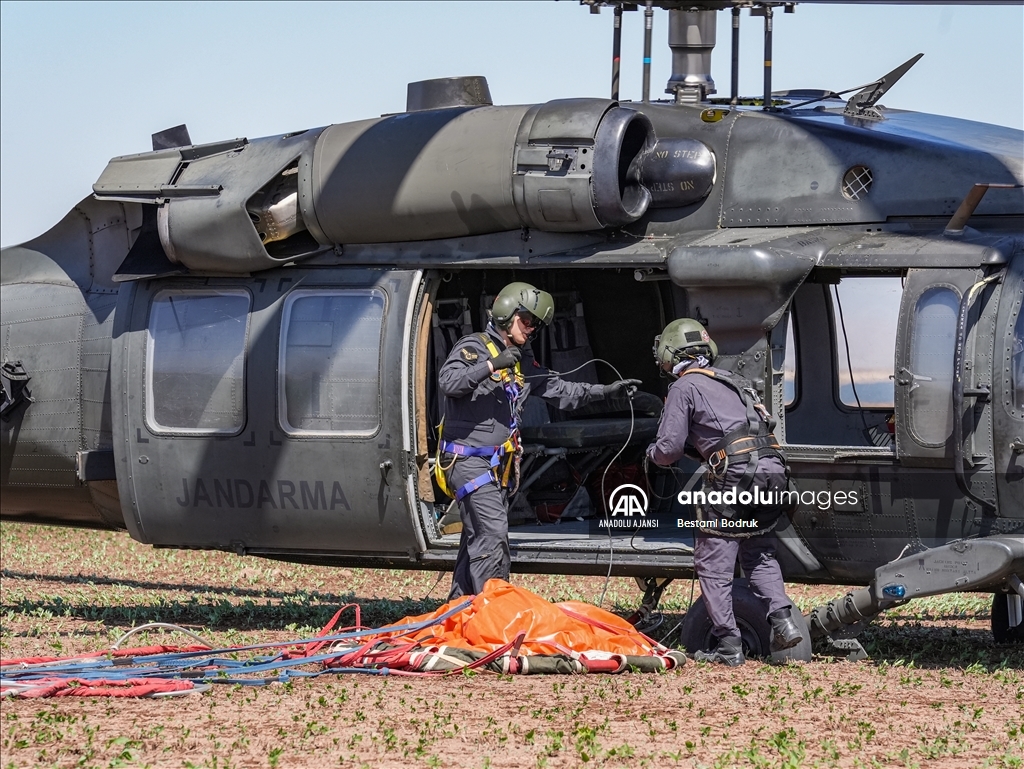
[728, 652]
[785, 632]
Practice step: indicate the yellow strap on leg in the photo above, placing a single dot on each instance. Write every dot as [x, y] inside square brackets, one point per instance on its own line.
[440, 471]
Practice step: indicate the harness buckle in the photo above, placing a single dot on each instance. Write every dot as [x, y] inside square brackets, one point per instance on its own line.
[718, 464]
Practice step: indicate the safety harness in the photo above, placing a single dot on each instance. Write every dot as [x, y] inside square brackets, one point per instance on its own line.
[504, 458]
[751, 441]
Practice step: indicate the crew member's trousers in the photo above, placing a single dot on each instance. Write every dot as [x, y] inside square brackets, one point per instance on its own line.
[483, 547]
[714, 559]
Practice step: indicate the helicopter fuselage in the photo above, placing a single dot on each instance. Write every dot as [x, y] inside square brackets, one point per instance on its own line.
[233, 346]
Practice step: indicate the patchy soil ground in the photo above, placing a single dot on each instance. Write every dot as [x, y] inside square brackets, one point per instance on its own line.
[936, 693]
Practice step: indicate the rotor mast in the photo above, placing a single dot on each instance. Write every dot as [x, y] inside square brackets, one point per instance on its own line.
[691, 38]
[648, 29]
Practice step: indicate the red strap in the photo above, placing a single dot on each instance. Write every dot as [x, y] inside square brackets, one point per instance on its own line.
[605, 626]
[314, 646]
[102, 687]
[139, 651]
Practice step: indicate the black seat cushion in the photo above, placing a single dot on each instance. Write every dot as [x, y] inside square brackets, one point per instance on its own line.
[590, 433]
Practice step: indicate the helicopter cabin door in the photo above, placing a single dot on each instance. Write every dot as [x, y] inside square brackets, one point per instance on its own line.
[944, 426]
[869, 427]
[1008, 392]
[264, 414]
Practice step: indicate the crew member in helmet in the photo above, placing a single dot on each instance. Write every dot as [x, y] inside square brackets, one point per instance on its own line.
[485, 382]
[720, 415]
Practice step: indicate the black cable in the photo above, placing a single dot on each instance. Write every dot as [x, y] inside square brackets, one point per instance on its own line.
[849, 362]
[440, 576]
[604, 475]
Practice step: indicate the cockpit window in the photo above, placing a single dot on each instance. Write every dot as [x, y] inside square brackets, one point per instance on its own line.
[932, 345]
[330, 362]
[195, 361]
[865, 313]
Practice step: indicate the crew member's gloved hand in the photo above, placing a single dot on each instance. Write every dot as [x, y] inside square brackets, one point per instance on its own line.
[507, 358]
[622, 387]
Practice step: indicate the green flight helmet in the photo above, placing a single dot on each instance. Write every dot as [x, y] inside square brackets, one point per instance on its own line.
[681, 339]
[518, 297]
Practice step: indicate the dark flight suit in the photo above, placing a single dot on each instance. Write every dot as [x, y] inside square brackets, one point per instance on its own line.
[477, 413]
[701, 411]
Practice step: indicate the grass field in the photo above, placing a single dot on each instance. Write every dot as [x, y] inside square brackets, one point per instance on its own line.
[936, 692]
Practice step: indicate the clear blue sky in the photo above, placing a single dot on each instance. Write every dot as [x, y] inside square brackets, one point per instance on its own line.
[83, 82]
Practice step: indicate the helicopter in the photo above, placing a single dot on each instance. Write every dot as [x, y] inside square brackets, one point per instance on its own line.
[234, 345]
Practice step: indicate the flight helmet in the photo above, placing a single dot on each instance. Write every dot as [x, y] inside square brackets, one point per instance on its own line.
[683, 338]
[522, 297]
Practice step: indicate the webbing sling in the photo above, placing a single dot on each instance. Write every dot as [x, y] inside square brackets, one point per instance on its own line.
[513, 386]
[752, 440]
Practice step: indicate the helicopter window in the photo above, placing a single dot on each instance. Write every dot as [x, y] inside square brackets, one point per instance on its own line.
[865, 312]
[330, 362]
[932, 341]
[195, 361]
[857, 182]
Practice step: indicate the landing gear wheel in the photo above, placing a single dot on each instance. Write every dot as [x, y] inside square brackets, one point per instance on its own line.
[646, 619]
[1002, 632]
[755, 630]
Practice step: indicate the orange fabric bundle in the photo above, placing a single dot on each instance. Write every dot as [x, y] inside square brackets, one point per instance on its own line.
[503, 611]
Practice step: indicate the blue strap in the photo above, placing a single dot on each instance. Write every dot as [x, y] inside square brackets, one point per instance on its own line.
[478, 482]
[491, 476]
[468, 451]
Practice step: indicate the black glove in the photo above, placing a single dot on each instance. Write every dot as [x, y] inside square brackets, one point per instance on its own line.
[507, 358]
[622, 387]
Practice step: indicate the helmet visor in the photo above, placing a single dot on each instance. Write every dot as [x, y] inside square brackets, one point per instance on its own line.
[529, 320]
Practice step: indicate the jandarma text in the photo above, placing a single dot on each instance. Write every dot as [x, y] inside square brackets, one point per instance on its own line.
[823, 500]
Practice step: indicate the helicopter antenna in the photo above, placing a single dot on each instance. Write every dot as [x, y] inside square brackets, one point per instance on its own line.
[833, 94]
[863, 104]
